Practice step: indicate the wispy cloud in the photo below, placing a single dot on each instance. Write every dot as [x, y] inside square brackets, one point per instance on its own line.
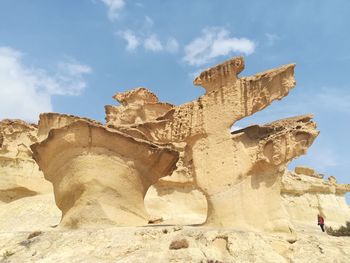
[215, 42]
[25, 91]
[132, 40]
[114, 7]
[150, 42]
[172, 45]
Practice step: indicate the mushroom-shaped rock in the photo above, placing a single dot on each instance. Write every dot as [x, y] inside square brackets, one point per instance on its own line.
[99, 175]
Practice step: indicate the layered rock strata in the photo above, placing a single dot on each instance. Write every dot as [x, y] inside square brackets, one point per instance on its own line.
[100, 176]
[19, 174]
[52, 120]
[305, 196]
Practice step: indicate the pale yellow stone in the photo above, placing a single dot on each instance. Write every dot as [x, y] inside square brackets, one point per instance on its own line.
[19, 174]
[100, 176]
[305, 197]
[239, 174]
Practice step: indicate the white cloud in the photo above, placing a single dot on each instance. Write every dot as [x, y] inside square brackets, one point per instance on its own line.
[114, 6]
[132, 40]
[25, 92]
[152, 43]
[215, 42]
[172, 45]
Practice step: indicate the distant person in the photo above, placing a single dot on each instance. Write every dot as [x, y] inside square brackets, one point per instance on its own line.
[320, 220]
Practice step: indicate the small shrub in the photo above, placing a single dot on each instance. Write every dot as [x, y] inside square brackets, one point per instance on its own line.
[340, 232]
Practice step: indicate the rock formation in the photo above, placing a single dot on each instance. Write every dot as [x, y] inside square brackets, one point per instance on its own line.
[99, 175]
[306, 195]
[222, 178]
[137, 106]
[156, 163]
[174, 199]
[221, 164]
[49, 121]
[19, 174]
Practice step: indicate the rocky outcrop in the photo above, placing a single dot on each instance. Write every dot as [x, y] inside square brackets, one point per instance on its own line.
[137, 106]
[175, 198]
[100, 176]
[305, 196]
[224, 165]
[19, 174]
[51, 120]
[307, 171]
[261, 154]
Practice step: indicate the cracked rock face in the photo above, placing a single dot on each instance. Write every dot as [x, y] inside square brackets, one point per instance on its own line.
[19, 174]
[100, 176]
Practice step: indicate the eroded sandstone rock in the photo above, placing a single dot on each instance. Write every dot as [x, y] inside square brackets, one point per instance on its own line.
[261, 155]
[51, 120]
[137, 106]
[235, 172]
[176, 198]
[306, 196]
[19, 174]
[99, 175]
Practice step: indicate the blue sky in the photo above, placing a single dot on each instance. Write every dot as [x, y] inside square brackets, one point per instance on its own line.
[72, 56]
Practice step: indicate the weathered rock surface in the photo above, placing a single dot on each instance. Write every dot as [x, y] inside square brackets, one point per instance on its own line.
[19, 174]
[100, 176]
[51, 120]
[307, 171]
[176, 204]
[30, 214]
[137, 106]
[305, 196]
[229, 181]
[175, 198]
[222, 164]
[152, 245]
[262, 153]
